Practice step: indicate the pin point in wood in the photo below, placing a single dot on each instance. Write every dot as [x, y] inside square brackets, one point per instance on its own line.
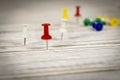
[62, 30]
[77, 14]
[46, 36]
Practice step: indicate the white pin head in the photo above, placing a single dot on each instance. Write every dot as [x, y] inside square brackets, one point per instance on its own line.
[25, 31]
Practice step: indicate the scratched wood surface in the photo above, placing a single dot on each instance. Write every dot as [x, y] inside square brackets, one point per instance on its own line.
[81, 50]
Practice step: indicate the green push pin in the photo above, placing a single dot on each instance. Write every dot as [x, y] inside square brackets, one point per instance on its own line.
[103, 22]
[91, 23]
[98, 20]
[86, 22]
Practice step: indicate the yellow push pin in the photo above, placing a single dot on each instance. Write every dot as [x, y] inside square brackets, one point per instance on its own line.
[114, 22]
[100, 17]
[65, 14]
[106, 17]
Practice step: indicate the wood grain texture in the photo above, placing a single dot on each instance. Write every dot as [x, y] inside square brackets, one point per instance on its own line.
[83, 50]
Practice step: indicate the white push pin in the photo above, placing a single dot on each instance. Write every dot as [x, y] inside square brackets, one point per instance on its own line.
[25, 34]
[63, 28]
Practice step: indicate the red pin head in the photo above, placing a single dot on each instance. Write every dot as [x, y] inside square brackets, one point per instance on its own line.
[77, 11]
[46, 35]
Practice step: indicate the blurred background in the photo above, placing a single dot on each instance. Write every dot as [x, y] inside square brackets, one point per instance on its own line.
[39, 11]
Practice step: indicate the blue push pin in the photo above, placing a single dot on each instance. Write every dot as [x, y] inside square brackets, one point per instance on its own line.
[97, 26]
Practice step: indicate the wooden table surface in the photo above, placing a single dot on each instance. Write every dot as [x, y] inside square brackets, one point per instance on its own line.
[83, 50]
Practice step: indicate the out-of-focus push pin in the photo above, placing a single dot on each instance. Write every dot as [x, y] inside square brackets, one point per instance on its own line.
[65, 14]
[77, 14]
[106, 17]
[25, 34]
[63, 28]
[114, 22]
[64, 22]
[97, 26]
[46, 36]
[100, 17]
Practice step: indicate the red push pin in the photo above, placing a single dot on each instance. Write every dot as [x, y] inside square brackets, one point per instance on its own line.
[46, 35]
[77, 15]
